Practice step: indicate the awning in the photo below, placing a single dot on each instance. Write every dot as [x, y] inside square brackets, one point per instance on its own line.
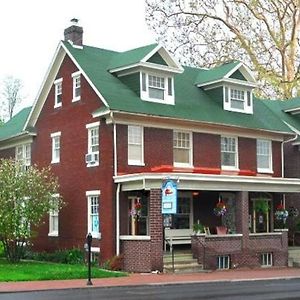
[147, 181]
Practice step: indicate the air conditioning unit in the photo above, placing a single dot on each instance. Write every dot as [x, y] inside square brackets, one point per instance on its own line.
[91, 158]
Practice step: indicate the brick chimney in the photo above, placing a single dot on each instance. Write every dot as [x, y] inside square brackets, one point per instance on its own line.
[74, 33]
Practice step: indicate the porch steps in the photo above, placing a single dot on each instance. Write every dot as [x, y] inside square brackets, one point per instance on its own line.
[183, 263]
[294, 257]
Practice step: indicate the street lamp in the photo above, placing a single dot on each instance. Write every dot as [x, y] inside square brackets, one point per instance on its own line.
[89, 239]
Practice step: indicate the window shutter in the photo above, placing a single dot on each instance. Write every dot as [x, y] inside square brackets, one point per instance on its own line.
[144, 82]
[226, 94]
[248, 98]
[169, 86]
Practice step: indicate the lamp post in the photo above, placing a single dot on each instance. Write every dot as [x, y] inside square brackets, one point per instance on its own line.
[89, 239]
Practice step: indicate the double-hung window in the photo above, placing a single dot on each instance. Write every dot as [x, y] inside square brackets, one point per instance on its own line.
[182, 149]
[23, 156]
[229, 153]
[92, 156]
[135, 145]
[58, 92]
[76, 86]
[264, 155]
[55, 147]
[157, 88]
[53, 219]
[93, 213]
[238, 99]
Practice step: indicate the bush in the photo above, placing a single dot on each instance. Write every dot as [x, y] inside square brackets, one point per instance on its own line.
[114, 264]
[2, 254]
[70, 256]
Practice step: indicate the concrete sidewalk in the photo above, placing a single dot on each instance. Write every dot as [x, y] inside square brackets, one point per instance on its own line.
[154, 279]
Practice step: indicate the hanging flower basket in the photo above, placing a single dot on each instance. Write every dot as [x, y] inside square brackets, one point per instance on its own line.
[220, 209]
[136, 211]
[281, 213]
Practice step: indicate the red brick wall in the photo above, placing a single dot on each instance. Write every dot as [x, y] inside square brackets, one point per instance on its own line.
[276, 155]
[156, 230]
[207, 150]
[207, 249]
[247, 154]
[74, 177]
[8, 153]
[136, 255]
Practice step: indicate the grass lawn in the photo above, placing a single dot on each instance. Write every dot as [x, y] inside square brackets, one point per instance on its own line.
[32, 270]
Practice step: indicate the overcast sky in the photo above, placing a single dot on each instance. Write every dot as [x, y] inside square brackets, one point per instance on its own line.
[32, 29]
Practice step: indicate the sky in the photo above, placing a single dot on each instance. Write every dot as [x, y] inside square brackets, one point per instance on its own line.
[32, 29]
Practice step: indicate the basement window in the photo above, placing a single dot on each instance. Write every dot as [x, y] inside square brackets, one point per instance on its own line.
[266, 259]
[223, 262]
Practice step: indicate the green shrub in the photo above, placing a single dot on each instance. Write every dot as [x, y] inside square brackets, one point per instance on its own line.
[2, 254]
[66, 256]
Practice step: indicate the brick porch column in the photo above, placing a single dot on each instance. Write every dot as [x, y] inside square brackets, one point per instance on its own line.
[156, 230]
[242, 217]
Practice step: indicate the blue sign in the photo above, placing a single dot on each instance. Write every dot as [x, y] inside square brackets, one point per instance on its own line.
[169, 197]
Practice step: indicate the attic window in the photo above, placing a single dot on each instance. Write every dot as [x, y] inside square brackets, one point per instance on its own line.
[157, 88]
[238, 99]
[58, 92]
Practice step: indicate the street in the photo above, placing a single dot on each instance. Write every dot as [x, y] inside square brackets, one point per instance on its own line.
[252, 290]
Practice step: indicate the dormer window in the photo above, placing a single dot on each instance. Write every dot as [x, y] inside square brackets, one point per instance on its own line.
[157, 88]
[238, 99]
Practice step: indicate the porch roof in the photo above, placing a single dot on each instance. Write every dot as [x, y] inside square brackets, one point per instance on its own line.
[147, 181]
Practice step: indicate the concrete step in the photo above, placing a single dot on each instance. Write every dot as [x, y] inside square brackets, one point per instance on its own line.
[178, 257]
[189, 267]
[183, 263]
[294, 257]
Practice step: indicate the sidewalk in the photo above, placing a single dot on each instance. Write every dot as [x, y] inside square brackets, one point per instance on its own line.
[152, 279]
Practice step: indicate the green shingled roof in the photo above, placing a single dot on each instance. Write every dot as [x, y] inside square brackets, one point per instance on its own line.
[191, 102]
[278, 107]
[130, 57]
[15, 125]
[217, 73]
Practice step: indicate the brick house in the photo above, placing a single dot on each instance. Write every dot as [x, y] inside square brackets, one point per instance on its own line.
[115, 125]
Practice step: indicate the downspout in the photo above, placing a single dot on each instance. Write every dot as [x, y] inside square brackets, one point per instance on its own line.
[282, 158]
[118, 219]
[118, 186]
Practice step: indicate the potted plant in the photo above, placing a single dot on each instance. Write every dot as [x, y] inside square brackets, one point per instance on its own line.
[198, 228]
[261, 206]
[220, 209]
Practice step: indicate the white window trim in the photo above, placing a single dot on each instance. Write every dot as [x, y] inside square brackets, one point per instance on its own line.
[54, 233]
[89, 194]
[145, 94]
[53, 136]
[236, 166]
[89, 127]
[24, 158]
[133, 162]
[248, 109]
[74, 76]
[270, 169]
[191, 163]
[56, 82]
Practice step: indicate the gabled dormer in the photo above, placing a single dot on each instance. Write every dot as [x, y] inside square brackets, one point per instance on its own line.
[232, 83]
[149, 71]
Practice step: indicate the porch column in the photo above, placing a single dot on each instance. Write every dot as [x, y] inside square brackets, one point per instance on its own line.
[156, 230]
[242, 217]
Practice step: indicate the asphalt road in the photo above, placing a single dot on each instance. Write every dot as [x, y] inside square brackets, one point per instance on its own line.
[258, 290]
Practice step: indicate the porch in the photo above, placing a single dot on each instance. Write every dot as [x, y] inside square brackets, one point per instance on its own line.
[251, 238]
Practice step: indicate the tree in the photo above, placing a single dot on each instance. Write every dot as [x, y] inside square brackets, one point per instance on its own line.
[11, 95]
[26, 196]
[263, 34]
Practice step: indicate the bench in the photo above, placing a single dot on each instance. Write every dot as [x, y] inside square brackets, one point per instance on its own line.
[177, 237]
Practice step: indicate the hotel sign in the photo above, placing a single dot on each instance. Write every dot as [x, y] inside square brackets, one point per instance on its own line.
[169, 197]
